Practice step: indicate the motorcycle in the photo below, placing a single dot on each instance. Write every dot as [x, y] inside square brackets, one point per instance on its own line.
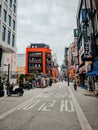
[11, 91]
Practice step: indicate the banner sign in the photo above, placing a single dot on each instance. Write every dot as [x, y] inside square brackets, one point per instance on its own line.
[84, 30]
[84, 13]
[76, 33]
[86, 47]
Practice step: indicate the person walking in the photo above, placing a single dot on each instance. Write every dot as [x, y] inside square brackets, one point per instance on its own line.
[75, 85]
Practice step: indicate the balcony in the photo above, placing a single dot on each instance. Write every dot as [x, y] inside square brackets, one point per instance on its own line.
[49, 62]
[35, 61]
[49, 68]
[35, 68]
[35, 55]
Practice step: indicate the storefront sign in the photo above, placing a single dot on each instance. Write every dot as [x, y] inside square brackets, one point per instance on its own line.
[95, 65]
[84, 13]
[86, 47]
[84, 30]
[76, 33]
[88, 68]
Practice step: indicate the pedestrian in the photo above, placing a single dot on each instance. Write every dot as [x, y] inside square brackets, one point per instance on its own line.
[50, 81]
[75, 85]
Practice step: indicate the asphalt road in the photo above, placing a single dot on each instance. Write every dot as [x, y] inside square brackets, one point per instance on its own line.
[53, 108]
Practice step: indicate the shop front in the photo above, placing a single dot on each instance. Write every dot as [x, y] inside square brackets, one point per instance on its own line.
[93, 77]
[82, 77]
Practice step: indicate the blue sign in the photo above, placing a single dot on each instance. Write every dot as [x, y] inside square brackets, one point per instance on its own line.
[84, 13]
[95, 65]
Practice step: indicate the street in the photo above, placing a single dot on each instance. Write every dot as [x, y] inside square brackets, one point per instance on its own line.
[53, 108]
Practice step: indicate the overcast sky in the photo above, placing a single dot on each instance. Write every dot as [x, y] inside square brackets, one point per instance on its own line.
[46, 21]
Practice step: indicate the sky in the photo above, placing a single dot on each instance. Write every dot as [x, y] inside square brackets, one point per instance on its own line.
[46, 21]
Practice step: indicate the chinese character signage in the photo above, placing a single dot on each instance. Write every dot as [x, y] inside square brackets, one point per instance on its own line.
[84, 30]
[86, 47]
[76, 33]
[84, 13]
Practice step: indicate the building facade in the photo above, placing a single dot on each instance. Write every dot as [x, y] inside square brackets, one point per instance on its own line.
[87, 41]
[38, 59]
[8, 15]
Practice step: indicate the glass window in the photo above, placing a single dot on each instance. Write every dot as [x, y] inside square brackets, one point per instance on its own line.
[0, 10]
[4, 15]
[13, 24]
[15, 1]
[14, 8]
[9, 17]
[10, 3]
[13, 40]
[9, 37]
[3, 33]
[6, 0]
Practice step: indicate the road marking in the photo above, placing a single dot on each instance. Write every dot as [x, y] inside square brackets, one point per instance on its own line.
[46, 106]
[81, 117]
[68, 105]
[16, 108]
[31, 105]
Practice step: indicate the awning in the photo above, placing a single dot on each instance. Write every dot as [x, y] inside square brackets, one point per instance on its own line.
[93, 73]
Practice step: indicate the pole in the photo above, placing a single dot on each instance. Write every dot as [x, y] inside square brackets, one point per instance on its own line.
[8, 72]
[68, 75]
[8, 83]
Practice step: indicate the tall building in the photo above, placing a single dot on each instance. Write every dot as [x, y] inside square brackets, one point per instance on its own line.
[87, 41]
[7, 31]
[38, 59]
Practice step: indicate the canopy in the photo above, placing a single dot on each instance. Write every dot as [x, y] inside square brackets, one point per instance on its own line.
[93, 73]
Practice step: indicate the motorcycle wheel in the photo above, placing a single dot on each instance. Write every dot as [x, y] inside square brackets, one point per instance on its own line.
[8, 93]
[20, 94]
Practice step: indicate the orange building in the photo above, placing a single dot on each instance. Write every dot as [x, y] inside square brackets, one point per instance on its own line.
[38, 59]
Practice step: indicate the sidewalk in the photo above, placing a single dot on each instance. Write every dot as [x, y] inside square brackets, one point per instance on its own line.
[89, 104]
[85, 91]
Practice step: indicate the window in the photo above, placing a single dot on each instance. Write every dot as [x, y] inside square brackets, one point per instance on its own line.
[15, 1]
[5, 0]
[9, 37]
[3, 33]
[14, 25]
[0, 10]
[13, 40]
[14, 8]
[4, 15]
[9, 20]
[10, 3]
[9, 17]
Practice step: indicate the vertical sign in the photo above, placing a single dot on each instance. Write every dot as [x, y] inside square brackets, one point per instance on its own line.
[86, 46]
[76, 33]
[84, 13]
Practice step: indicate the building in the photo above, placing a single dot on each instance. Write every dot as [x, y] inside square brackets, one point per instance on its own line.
[87, 42]
[7, 33]
[38, 59]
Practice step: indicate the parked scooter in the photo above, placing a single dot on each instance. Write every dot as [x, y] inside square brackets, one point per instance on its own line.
[10, 90]
[1, 91]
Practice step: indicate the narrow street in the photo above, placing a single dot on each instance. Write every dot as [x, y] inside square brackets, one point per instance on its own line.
[53, 108]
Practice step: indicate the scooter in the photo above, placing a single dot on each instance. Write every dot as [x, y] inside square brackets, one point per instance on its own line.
[10, 91]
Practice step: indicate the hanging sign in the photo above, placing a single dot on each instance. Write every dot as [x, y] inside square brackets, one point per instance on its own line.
[84, 13]
[76, 33]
